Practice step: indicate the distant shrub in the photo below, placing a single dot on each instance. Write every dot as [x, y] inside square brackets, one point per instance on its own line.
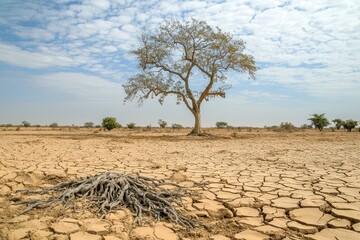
[162, 123]
[54, 125]
[89, 124]
[131, 125]
[221, 125]
[338, 123]
[110, 123]
[176, 126]
[26, 124]
[319, 121]
[287, 126]
[349, 124]
[98, 126]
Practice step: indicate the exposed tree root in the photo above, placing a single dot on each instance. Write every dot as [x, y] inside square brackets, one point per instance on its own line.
[110, 191]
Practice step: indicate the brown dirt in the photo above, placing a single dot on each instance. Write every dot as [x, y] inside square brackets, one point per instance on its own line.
[259, 167]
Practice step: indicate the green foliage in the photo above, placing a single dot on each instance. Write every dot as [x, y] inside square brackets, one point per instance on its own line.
[350, 124]
[169, 57]
[221, 125]
[54, 125]
[176, 126]
[26, 124]
[110, 123]
[287, 126]
[162, 123]
[131, 125]
[89, 124]
[338, 123]
[319, 121]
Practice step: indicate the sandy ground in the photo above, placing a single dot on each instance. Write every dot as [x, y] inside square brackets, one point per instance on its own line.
[248, 185]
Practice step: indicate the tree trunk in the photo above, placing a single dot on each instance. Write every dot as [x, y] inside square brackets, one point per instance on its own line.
[197, 126]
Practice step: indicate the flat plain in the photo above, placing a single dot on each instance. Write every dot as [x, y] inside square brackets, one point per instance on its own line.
[250, 185]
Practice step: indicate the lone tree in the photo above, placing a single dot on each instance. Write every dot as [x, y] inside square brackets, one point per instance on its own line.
[221, 125]
[26, 124]
[349, 124]
[179, 57]
[319, 121]
[110, 123]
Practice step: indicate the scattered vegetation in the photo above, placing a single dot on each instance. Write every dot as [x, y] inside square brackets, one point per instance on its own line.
[110, 123]
[162, 123]
[176, 126]
[54, 125]
[89, 124]
[110, 191]
[319, 121]
[131, 125]
[287, 126]
[349, 124]
[220, 125]
[26, 124]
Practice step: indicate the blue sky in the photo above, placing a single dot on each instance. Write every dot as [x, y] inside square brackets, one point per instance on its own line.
[64, 61]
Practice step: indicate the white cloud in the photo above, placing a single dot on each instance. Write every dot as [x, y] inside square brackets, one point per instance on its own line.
[282, 35]
[83, 86]
[16, 56]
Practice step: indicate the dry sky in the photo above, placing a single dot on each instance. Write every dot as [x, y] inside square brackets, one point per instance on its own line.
[64, 61]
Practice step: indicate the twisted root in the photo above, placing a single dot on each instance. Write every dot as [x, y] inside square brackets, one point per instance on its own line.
[109, 191]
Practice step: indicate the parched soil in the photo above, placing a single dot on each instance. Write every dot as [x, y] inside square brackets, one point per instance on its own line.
[238, 185]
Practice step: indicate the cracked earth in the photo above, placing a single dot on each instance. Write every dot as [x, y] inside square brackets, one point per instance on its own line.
[251, 186]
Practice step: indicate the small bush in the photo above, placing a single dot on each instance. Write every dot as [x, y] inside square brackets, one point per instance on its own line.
[110, 123]
[162, 123]
[89, 124]
[131, 125]
[176, 126]
[54, 125]
[221, 125]
[287, 126]
[26, 124]
[349, 124]
[338, 123]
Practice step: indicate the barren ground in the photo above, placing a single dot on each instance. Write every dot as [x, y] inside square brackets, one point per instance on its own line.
[248, 185]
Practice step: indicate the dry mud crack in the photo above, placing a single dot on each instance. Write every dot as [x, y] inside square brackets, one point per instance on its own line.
[257, 186]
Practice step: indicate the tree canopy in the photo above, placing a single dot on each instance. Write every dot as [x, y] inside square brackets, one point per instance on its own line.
[179, 57]
[319, 121]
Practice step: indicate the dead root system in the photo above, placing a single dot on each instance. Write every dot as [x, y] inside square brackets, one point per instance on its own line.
[110, 191]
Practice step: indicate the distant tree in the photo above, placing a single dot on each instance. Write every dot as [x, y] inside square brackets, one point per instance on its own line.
[110, 123]
[350, 124]
[89, 124]
[338, 123]
[319, 121]
[26, 124]
[221, 125]
[176, 126]
[131, 125]
[162, 123]
[54, 125]
[178, 55]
